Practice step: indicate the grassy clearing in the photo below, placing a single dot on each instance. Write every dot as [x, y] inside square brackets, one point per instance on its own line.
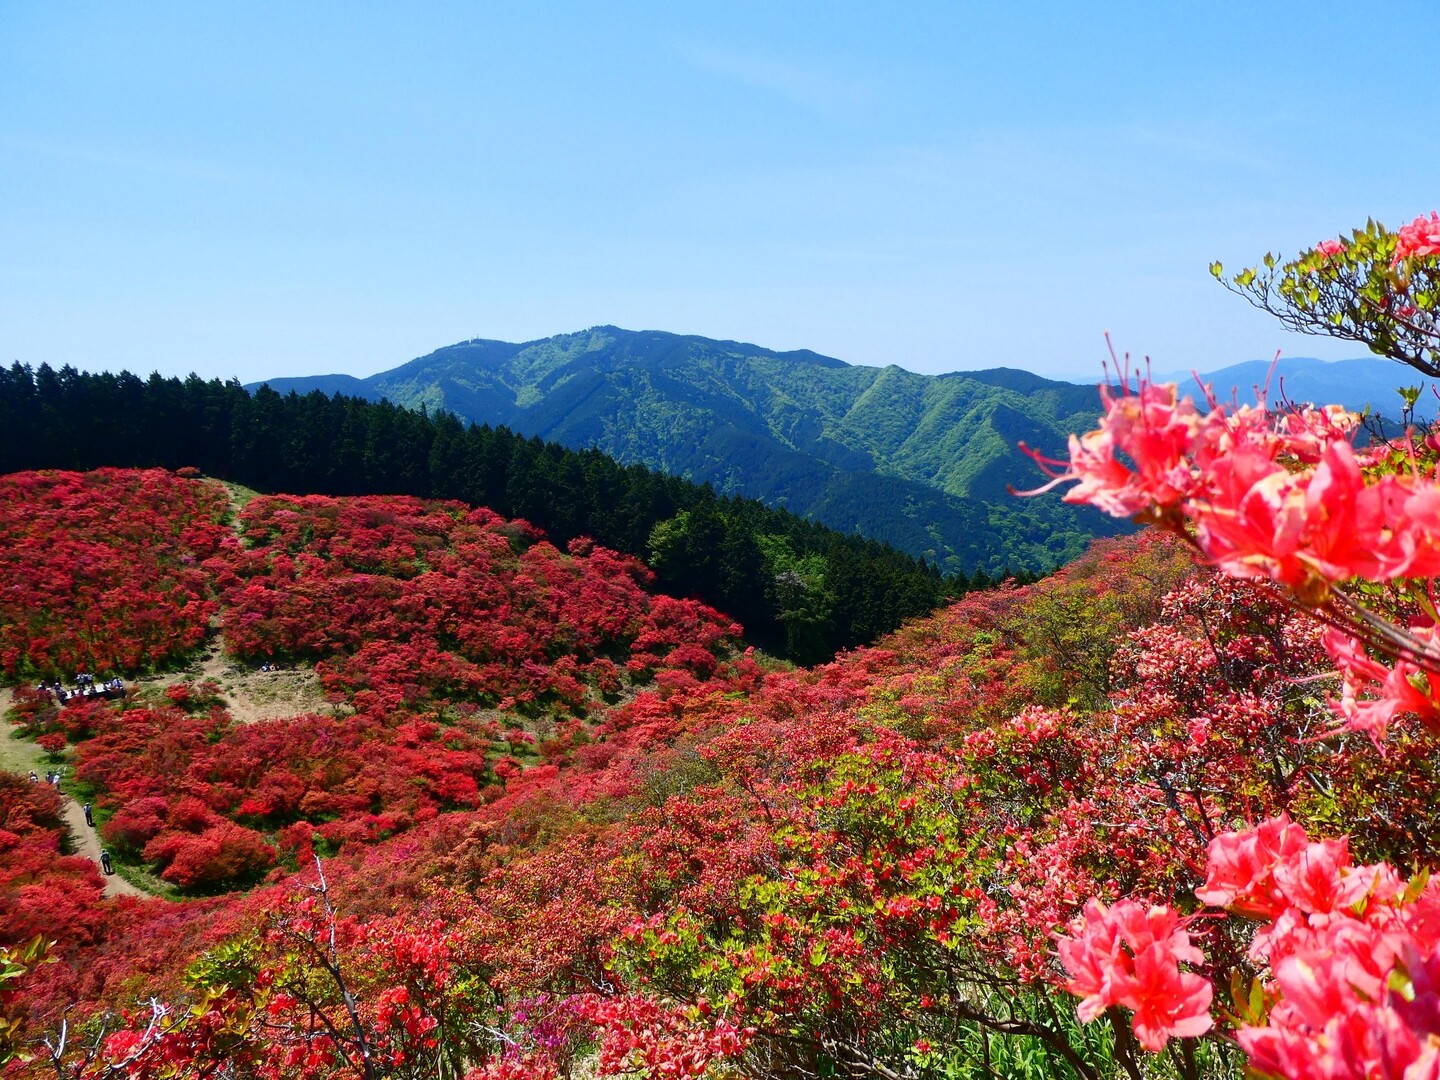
[17, 754]
[143, 879]
[240, 495]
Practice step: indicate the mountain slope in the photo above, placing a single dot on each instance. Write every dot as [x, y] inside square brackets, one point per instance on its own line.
[922, 462]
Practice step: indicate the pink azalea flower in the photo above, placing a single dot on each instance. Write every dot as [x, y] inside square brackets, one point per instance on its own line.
[1306, 432]
[1239, 873]
[1154, 429]
[1313, 988]
[1130, 955]
[1253, 520]
[1091, 957]
[1421, 237]
[1372, 695]
[1353, 959]
[1167, 1002]
[1310, 878]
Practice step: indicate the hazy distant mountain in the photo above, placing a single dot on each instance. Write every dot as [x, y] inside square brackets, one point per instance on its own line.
[920, 461]
[1357, 384]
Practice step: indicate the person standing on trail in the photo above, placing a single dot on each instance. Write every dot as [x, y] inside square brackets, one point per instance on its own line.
[105, 863]
[89, 816]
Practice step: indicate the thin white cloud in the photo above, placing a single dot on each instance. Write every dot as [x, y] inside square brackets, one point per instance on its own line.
[807, 87]
[110, 157]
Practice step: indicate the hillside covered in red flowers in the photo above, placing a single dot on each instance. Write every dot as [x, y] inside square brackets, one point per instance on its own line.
[550, 823]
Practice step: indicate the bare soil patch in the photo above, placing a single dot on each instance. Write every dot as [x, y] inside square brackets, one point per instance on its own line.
[251, 694]
[247, 693]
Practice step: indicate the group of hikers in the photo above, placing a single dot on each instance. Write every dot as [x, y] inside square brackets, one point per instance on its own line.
[85, 687]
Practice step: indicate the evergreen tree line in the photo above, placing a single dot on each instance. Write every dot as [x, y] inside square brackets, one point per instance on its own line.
[800, 589]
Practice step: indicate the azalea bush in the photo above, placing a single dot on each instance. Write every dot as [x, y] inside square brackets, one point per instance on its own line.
[409, 603]
[1347, 956]
[104, 572]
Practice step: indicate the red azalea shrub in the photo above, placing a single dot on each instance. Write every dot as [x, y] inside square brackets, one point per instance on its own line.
[212, 856]
[136, 823]
[409, 602]
[103, 570]
[178, 783]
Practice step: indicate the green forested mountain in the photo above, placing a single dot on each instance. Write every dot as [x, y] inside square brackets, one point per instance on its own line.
[921, 462]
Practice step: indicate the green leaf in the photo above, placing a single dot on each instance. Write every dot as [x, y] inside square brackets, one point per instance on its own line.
[1416, 886]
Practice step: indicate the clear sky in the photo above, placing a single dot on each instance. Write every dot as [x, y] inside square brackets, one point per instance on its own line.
[257, 189]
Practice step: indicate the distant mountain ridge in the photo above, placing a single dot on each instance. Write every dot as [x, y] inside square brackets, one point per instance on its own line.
[922, 462]
[1366, 382]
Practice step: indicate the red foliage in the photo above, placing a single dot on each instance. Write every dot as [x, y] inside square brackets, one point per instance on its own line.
[733, 860]
[410, 602]
[220, 854]
[102, 570]
[174, 779]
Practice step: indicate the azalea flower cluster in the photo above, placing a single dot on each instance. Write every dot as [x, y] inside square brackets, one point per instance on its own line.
[1350, 954]
[1130, 955]
[1421, 237]
[1373, 695]
[1271, 495]
[1413, 241]
[1282, 496]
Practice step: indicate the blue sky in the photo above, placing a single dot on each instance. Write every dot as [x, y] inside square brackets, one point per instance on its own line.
[279, 189]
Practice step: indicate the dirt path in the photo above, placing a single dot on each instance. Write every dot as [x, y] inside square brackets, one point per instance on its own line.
[87, 842]
[22, 756]
[248, 693]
